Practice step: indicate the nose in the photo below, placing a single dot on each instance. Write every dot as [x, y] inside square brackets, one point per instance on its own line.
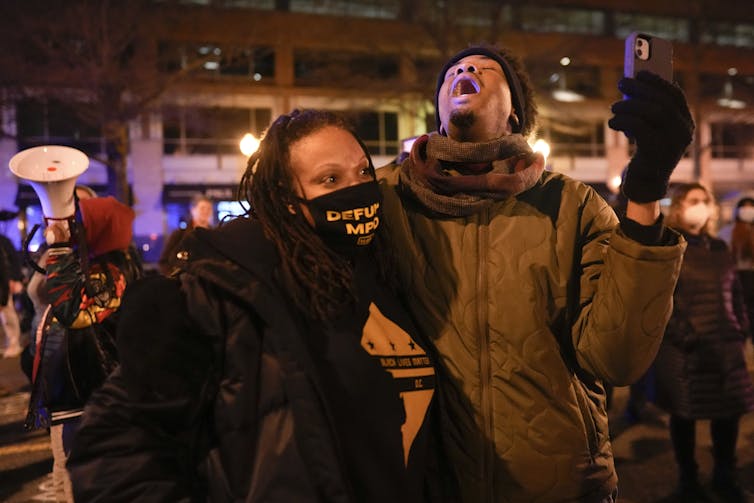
[354, 180]
[466, 68]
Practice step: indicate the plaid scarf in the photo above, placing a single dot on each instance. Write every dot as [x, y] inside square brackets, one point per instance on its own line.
[461, 178]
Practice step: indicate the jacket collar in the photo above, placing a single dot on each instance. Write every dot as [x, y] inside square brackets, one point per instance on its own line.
[241, 242]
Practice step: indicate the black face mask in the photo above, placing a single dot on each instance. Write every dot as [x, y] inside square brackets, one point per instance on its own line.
[347, 219]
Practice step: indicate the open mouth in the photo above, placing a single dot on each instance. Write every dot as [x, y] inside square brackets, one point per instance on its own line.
[464, 85]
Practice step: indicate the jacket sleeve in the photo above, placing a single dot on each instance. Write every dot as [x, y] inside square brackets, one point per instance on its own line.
[139, 437]
[75, 305]
[625, 295]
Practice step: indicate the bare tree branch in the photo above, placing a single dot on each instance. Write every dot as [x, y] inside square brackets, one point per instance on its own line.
[101, 54]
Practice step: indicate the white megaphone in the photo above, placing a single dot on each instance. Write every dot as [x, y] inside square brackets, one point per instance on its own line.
[52, 171]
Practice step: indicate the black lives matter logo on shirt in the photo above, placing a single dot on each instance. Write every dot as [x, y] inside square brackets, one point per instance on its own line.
[409, 365]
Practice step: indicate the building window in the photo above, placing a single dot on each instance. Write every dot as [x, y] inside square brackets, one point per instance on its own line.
[257, 64]
[551, 75]
[186, 2]
[253, 4]
[378, 131]
[480, 13]
[427, 69]
[344, 69]
[569, 137]
[740, 35]
[384, 9]
[732, 140]
[552, 19]
[208, 60]
[665, 27]
[210, 130]
[485, 13]
[53, 122]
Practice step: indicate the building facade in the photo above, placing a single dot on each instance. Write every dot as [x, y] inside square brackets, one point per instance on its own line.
[243, 62]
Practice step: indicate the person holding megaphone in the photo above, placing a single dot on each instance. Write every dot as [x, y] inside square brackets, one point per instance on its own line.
[87, 269]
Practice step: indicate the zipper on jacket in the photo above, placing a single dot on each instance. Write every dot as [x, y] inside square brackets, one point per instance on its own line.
[485, 372]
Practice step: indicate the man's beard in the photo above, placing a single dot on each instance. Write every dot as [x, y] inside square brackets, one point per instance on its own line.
[463, 120]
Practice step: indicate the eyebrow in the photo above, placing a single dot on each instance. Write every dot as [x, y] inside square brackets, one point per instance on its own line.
[362, 162]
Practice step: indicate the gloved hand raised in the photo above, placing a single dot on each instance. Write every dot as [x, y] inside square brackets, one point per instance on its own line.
[656, 115]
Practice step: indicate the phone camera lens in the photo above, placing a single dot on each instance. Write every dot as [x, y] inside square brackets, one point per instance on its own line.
[641, 49]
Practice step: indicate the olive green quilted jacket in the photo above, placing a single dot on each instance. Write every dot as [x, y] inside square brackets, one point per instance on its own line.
[532, 303]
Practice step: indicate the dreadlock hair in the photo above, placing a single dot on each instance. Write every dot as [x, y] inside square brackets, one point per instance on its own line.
[319, 280]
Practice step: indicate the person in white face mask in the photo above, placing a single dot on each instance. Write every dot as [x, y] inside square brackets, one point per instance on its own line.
[700, 368]
[742, 224]
[745, 211]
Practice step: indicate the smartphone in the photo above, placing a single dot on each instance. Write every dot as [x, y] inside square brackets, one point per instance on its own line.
[647, 52]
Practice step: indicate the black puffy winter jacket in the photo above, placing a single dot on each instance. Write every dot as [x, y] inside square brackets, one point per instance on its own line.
[214, 399]
[700, 368]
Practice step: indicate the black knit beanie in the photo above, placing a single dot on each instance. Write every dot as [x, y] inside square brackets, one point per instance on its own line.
[517, 95]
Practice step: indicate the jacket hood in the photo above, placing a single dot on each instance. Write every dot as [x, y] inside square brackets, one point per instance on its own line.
[108, 224]
[241, 242]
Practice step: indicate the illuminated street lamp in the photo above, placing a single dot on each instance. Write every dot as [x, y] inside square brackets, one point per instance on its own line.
[249, 144]
[614, 183]
[542, 147]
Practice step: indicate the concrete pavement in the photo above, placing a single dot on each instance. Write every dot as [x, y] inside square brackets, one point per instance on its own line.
[643, 453]
[25, 457]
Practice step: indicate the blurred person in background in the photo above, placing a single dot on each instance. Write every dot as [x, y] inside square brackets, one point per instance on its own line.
[36, 291]
[741, 242]
[10, 284]
[85, 273]
[201, 217]
[700, 368]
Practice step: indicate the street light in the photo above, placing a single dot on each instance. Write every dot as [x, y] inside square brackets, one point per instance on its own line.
[614, 183]
[542, 147]
[249, 144]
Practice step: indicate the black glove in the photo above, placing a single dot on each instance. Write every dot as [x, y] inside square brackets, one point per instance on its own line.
[656, 115]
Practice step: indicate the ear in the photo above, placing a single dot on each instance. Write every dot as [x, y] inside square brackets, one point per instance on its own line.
[514, 121]
[419, 151]
[291, 209]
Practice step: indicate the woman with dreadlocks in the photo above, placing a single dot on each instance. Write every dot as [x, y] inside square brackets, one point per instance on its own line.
[278, 364]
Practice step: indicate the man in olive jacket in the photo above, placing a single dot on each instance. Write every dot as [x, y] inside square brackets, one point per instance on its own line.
[533, 292]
